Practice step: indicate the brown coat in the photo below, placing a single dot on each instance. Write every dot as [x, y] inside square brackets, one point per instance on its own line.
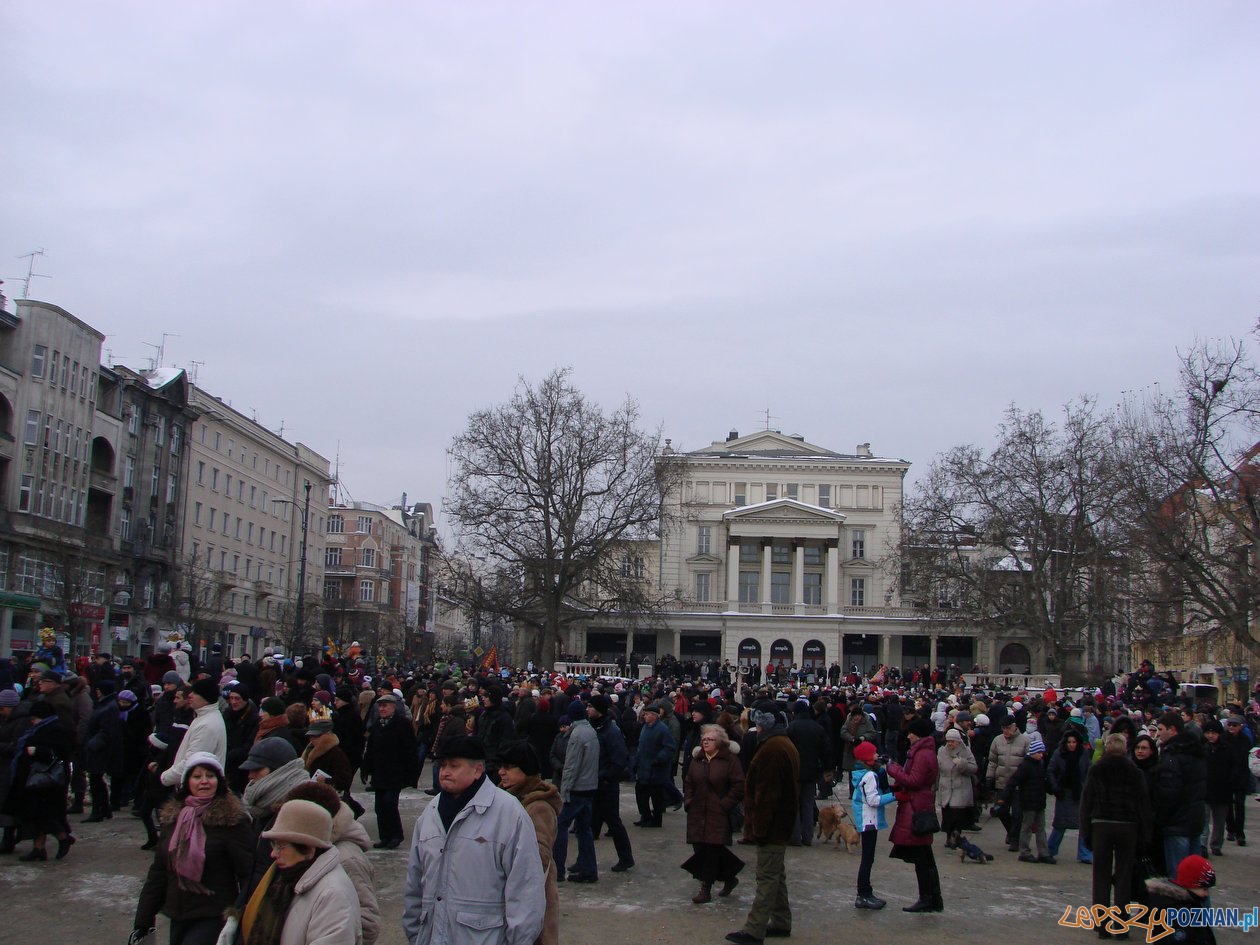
[323, 753]
[542, 802]
[710, 789]
[771, 792]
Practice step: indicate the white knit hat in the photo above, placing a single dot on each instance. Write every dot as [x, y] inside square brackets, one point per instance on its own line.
[203, 759]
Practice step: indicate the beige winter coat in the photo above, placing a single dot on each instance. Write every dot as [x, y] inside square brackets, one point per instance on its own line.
[352, 842]
[325, 910]
[1004, 757]
[953, 781]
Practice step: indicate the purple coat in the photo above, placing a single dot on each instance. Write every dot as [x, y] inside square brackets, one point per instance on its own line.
[918, 776]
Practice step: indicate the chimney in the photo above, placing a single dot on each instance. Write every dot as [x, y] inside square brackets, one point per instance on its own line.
[733, 435]
[864, 450]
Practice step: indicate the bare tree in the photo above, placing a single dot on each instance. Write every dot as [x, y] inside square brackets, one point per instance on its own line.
[197, 600]
[546, 489]
[306, 637]
[1020, 537]
[1192, 497]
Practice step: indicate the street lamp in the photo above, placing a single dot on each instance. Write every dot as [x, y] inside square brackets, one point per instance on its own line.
[301, 588]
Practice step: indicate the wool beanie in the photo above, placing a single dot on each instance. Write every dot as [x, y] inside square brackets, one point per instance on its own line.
[207, 689]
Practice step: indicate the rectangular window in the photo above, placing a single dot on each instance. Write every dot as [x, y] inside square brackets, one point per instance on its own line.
[253, 497]
[236, 564]
[772, 491]
[793, 490]
[702, 588]
[210, 522]
[749, 587]
[824, 496]
[32, 428]
[813, 554]
[196, 513]
[238, 528]
[171, 483]
[214, 479]
[781, 587]
[782, 554]
[748, 553]
[129, 472]
[155, 483]
[52, 368]
[365, 524]
[857, 543]
[159, 438]
[65, 372]
[24, 493]
[125, 524]
[367, 557]
[39, 358]
[177, 438]
[218, 440]
[857, 592]
[133, 420]
[367, 591]
[741, 493]
[703, 539]
[332, 590]
[249, 533]
[227, 485]
[332, 557]
[813, 589]
[201, 473]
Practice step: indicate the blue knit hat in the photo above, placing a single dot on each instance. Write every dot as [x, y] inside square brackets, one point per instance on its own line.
[1036, 745]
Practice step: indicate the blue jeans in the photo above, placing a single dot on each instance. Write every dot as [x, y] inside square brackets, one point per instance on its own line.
[577, 809]
[1082, 852]
[1176, 849]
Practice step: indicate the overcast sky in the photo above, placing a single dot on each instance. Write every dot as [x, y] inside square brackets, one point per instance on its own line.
[882, 222]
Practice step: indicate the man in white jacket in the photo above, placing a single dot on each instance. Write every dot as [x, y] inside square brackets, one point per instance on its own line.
[207, 733]
[473, 874]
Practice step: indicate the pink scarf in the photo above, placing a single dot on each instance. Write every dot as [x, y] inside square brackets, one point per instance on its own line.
[188, 844]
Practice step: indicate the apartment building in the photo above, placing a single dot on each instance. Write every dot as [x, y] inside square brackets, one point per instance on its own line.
[376, 587]
[244, 549]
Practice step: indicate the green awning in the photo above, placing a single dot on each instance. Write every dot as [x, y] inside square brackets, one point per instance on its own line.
[20, 601]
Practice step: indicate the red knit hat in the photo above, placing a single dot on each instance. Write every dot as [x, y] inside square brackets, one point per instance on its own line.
[1195, 873]
[864, 752]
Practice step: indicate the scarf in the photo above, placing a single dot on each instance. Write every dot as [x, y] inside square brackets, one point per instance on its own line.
[268, 724]
[187, 847]
[263, 919]
[264, 796]
[449, 805]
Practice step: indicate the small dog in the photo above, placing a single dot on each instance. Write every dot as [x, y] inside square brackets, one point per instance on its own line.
[832, 822]
[967, 850]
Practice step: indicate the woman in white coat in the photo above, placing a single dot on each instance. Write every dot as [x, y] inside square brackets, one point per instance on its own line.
[305, 898]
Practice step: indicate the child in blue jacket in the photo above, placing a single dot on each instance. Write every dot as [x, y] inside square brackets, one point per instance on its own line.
[870, 797]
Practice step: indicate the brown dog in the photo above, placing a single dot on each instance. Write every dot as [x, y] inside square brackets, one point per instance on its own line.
[833, 822]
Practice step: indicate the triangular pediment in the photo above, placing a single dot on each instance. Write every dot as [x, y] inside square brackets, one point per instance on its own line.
[789, 510]
[769, 442]
[704, 559]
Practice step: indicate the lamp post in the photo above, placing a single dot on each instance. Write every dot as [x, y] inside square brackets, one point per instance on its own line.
[299, 610]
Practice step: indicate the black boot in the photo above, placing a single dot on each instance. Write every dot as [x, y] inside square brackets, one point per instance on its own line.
[9, 842]
[934, 888]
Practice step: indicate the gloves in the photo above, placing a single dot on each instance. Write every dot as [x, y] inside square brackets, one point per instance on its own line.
[139, 935]
[228, 935]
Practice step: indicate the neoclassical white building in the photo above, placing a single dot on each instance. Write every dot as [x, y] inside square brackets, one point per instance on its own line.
[779, 550]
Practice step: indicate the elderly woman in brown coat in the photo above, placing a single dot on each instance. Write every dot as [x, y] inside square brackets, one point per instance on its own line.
[519, 775]
[712, 788]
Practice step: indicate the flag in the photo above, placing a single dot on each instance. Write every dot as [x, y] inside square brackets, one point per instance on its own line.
[491, 659]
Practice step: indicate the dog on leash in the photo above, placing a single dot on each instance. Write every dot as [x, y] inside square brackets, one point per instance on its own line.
[833, 822]
[968, 851]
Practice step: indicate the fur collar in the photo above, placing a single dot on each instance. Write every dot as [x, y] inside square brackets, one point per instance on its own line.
[731, 749]
[538, 791]
[320, 745]
[225, 811]
[1160, 886]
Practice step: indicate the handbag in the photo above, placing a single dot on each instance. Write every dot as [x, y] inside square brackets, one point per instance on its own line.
[46, 775]
[924, 823]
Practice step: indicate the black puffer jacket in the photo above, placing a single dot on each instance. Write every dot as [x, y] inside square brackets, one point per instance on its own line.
[1029, 780]
[1180, 787]
[1115, 789]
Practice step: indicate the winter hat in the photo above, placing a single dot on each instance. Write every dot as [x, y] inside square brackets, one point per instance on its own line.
[520, 755]
[464, 746]
[8, 699]
[1195, 873]
[953, 735]
[864, 752]
[202, 759]
[207, 689]
[921, 728]
[576, 710]
[963, 717]
[1036, 745]
[764, 719]
[273, 706]
[653, 708]
[981, 720]
[269, 753]
[172, 678]
[128, 696]
[601, 703]
[304, 823]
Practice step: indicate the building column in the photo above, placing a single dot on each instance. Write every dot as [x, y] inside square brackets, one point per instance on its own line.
[833, 575]
[885, 648]
[798, 577]
[932, 650]
[629, 649]
[732, 576]
[675, 641]
[767, 553]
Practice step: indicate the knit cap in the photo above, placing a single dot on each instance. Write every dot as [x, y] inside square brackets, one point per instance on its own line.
[1195, 873]
[1036, 745]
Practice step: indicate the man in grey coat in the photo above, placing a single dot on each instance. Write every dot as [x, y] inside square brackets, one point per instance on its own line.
[473, 874]
[579, 786]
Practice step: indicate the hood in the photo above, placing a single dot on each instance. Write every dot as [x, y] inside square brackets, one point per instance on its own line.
[345, 827]
[542, 792]
[324, 864]
[1159, 886]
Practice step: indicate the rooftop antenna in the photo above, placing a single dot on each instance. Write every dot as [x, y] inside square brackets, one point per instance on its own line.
[30, 272]
[195, 365]
[768, 418]
[337, 476]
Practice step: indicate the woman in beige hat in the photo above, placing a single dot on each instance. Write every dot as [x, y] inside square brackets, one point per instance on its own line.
[305, 895]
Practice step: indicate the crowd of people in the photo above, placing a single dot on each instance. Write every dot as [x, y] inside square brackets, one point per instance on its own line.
[243, 776]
